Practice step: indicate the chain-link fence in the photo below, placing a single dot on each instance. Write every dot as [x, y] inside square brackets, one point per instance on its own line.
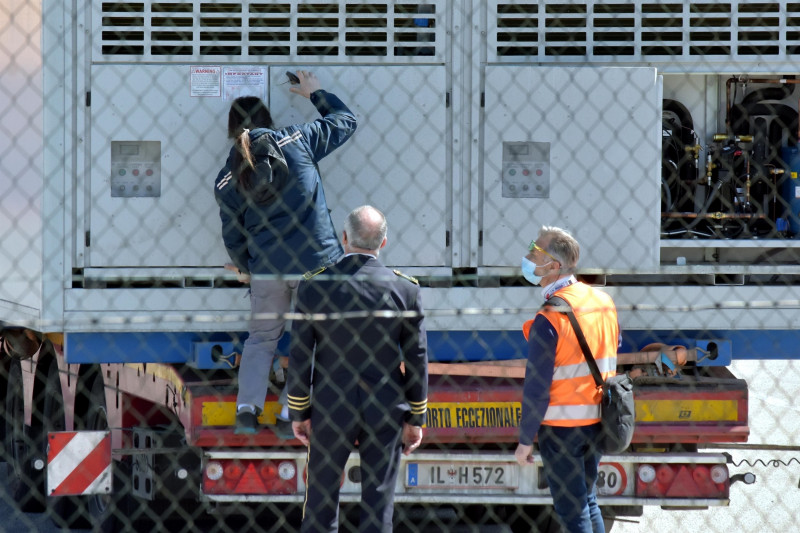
[134, 203]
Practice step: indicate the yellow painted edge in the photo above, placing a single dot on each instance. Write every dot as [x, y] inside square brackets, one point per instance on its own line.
[473, 414]
[224, 413]
[687, 410]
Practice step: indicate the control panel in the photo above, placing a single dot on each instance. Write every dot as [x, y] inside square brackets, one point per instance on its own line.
[135, 169]
[526, 170]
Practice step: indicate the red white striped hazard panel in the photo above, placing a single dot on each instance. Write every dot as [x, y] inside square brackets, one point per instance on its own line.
[78, 462]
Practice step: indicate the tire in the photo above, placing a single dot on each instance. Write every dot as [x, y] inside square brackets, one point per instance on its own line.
[25, 483]
[109, 512]
[64, 511]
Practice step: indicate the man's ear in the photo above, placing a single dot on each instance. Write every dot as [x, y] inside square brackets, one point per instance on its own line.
[382, 243]
[344, 237]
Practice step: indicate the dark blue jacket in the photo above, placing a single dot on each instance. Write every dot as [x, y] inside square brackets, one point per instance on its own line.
[282, 225]
[356, 359]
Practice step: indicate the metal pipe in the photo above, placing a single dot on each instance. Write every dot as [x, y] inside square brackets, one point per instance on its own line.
[713, 216]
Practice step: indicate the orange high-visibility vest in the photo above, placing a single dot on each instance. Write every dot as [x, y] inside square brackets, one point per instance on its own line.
[574, 396]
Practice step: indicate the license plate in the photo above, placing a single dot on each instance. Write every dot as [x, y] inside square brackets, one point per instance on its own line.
[462, 475]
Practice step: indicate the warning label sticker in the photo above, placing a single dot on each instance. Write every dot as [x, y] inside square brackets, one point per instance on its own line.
[205, 80]
[244, 81]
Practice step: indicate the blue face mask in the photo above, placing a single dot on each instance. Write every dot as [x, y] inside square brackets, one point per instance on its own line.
[528, 268]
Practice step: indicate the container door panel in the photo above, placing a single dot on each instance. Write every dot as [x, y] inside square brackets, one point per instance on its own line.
[156, 151]
[397, 159]
[578, 148]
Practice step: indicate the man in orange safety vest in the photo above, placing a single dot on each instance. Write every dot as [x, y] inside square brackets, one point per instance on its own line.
[561, 401]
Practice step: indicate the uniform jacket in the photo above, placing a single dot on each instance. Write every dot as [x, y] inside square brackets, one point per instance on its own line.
[356, 359]
[283, 225]
[574, 395]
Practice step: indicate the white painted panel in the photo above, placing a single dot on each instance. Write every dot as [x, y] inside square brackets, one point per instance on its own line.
[21, 157]
[397, 159]
[603, 128]
[181, 227]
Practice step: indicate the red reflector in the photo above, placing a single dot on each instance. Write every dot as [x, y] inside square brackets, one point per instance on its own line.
[682, 481]
[233, 471]
[700, 474]
[665, 474]
[269, 471]
[250, 483]
[684, 485]
[249, 476]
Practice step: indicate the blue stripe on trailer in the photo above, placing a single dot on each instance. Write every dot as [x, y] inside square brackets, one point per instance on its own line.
[144, 347]
[160, 347]
[752, 344]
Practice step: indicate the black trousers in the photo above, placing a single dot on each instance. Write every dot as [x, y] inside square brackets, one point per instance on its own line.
[333, 438]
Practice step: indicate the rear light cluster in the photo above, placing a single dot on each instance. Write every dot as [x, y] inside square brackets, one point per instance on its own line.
[682, 481]
[250, 476]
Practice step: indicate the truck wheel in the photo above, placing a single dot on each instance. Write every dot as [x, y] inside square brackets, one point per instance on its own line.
[109, 512]
[64, 511]
[25, 483]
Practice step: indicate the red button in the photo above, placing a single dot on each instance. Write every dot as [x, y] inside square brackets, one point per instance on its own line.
[136, 172]
[538, 172]
[149, 172]
[526, 172]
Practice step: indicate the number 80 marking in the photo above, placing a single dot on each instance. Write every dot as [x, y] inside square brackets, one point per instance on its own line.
[611, 479]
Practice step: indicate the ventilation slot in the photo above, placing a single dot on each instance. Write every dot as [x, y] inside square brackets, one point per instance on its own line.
[644, 32]
[517, 29]
[260, 29]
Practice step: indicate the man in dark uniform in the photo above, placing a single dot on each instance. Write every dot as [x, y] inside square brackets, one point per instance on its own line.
[368, 320]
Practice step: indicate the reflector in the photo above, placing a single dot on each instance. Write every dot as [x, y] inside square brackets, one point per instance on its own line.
[250, 476]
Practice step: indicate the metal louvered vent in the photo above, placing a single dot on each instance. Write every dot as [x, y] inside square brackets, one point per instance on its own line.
[628, 31]
[179, 30]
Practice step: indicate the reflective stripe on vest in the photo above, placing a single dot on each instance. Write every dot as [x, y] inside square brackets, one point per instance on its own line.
[572, 412]
[606, 364]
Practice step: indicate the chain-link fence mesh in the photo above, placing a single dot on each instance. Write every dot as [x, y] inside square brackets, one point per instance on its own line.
[663, 136]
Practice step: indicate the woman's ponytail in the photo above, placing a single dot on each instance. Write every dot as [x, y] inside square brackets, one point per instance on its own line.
[243, 164]
[246, 112]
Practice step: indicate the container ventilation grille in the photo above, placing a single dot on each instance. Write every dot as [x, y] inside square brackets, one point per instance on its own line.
[643, 31]
[158, 31]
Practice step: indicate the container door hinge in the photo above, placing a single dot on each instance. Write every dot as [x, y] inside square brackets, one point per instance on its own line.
[88, 98]
[483, 99]
[87, 239]
[447, 100]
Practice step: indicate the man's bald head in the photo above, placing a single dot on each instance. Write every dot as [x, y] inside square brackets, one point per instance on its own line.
[364, 230]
